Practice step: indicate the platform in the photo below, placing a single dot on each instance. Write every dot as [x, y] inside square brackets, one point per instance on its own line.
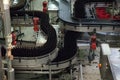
[114, 61]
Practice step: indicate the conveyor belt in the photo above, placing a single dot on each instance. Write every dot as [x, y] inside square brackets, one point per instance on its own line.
[17, 5]
[65, 16]
[70, 47]
[66, 53]
[32, 51]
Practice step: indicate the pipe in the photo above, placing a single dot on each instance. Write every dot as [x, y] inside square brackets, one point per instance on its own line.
[1, 23]
[81, 72]
[1, 71]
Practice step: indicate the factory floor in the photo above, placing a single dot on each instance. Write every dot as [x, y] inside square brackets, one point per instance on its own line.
[90, 71]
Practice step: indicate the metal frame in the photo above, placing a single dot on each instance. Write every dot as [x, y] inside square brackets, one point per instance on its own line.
[81, 28]
[54, 68]
[27, 63]
[114, 61]
[7, 30]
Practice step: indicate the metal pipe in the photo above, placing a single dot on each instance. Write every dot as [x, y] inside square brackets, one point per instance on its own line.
[71, 74]
[7, 30]
[6, 16]
[1, 71]
[50, 72]
[113, 7]
[11, 74]
[80, 76]
[1, 66]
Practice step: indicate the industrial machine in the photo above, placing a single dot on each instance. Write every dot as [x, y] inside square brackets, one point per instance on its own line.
[32, 41]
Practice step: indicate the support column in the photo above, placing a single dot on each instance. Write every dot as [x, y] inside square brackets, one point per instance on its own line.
[1, 71]
[50, 72]
[6, 16]
[7, 32]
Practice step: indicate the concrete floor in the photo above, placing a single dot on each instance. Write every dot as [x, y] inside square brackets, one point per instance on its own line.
[90, 70]
[93, 72]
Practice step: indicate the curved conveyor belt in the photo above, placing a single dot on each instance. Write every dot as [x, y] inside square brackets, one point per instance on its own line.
[64, 54]
[70, 47]
[17, 5]
[50, 45]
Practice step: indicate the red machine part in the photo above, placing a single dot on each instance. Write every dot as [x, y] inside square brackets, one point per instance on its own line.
[93, 42]
[116, 17]
[93, 46]
[45, 9]
[93, 38]
[36, 22]
[101, 13]
[14, 37]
